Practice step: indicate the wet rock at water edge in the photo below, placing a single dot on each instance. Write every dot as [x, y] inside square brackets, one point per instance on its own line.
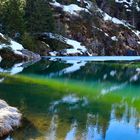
[10, 118]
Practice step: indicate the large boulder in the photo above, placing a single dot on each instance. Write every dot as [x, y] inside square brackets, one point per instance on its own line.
[10, 118]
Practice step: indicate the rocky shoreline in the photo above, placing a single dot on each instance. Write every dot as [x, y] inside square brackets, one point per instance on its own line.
[10, 118]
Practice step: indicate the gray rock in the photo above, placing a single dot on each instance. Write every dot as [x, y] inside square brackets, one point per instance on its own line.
[10, 118]
[28, 55]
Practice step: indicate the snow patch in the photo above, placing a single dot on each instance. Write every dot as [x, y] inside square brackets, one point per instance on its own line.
[129, 2]
[72, 9]
[106, 17]
[54, 53]
[16, 47]
[77, 47]
[114, 38]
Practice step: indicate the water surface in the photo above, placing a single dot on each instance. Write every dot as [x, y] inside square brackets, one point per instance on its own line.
[74, 99]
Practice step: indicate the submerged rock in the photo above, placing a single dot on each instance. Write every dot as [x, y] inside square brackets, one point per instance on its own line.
[9, 118]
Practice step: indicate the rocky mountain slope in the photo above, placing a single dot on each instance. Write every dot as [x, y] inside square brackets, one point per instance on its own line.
[90, 30]
[84, 27]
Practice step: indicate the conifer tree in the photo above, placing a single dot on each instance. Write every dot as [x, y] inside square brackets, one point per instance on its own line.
[39, 16]
[12, 16]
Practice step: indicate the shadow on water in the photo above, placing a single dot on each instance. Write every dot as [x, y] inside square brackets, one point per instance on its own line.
[75, 100]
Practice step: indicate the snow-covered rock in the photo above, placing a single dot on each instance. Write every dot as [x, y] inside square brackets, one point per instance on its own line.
[129, 4]
[72, 9]
[13, 45]
[10, 118]
[15, 50]
[54, 53]
[76, 47]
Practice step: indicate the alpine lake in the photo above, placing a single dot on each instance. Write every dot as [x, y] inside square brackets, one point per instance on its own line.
[74, 98]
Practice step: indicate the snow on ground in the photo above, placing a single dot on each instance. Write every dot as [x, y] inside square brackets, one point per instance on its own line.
[16, 47]
[72, 9]
[130, 3]
[107, 17]
[54, 53]
[114, 38]
[76, 46]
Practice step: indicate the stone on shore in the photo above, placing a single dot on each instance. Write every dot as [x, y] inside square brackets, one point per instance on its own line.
[10, 118]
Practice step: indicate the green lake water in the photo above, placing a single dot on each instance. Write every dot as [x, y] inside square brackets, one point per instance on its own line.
[74, 99]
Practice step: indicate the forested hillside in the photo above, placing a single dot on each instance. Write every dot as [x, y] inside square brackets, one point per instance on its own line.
[73, 27]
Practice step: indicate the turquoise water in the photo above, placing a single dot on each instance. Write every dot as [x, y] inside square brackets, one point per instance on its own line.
[74, 99]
